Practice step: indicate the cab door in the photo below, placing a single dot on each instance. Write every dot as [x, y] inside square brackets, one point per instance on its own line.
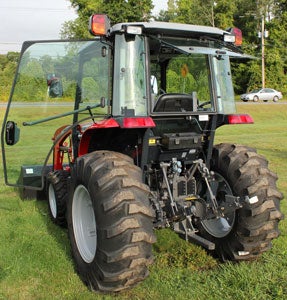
[53, 79]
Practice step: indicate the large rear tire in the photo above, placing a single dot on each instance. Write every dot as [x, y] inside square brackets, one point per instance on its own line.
[248, 232]
[110, 221]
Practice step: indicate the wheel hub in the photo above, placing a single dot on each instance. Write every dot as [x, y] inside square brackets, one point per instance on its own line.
[220, 226]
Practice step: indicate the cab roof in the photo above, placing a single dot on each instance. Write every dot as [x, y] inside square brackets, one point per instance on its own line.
[173, 29]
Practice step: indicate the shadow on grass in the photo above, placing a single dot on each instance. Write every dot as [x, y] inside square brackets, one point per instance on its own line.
[60, 234]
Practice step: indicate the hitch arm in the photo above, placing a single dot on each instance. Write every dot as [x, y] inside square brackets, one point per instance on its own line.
[207, 175]
[172, 202]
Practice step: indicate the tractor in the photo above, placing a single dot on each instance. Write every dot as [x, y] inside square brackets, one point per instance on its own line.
[118, 132]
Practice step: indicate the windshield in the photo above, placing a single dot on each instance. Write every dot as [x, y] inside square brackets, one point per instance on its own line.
[255, 91]
[190, 76]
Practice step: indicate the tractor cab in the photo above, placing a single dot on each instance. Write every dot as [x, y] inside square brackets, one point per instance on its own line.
[129, 78]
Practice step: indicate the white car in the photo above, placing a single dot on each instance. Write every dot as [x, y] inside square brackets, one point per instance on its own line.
[262, 94]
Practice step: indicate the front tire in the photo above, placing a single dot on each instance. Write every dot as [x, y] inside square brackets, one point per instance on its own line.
[110, 221]
[253, 226]
[57, 196]
[255, 98]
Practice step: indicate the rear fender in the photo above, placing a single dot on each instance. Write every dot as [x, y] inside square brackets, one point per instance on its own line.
[86, 136]
[61, 146]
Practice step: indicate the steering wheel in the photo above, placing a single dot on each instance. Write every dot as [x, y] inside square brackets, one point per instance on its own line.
[203, 104]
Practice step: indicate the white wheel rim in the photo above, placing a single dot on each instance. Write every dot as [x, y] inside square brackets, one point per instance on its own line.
[220, 227]
[84, 224]
[52, 201]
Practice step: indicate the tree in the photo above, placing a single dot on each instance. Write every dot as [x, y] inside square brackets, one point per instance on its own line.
[169, 14]
[249, 17]
[200, 12]
[224, 11]
[276, 56]
[8, 65]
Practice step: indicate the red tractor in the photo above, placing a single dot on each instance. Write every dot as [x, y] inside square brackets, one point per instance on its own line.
[132, 114]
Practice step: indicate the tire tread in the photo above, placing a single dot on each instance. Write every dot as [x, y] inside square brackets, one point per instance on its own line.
[257, 224]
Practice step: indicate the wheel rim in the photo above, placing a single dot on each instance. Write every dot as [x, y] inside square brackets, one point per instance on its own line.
[255, 99]
[220, 227]
[84, 224]
[275, 99]
[52, 201]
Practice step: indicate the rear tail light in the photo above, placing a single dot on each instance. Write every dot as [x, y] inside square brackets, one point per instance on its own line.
[239, 119]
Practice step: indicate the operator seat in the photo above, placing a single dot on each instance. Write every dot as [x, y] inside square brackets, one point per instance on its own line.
[173, 102]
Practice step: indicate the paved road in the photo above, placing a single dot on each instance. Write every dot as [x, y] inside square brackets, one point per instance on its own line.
[31, 104]
[261, 103]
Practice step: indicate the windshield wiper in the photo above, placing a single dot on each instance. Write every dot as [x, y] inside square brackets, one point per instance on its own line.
[174, 47]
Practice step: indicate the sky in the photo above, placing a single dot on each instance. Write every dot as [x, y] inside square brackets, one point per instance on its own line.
[37, 20]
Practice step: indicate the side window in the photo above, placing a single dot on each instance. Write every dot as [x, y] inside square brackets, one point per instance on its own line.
[223, 84]
[129, 86]
[95, 76]
[94, 82]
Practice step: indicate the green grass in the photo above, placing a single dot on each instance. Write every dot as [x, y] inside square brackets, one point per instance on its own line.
[35, 259]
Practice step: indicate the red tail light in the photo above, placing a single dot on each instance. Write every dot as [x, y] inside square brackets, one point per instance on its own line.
[138, 122]
[240, 119]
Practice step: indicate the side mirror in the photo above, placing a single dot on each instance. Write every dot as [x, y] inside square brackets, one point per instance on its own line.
[103, 102]
[154, 86]
[55, 87]
[12, 135]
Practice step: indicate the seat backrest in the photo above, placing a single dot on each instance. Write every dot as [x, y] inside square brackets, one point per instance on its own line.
[174, 103]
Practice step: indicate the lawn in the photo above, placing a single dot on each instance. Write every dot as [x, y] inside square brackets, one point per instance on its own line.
[35, 260]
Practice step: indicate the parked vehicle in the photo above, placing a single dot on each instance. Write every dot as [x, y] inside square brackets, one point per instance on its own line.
[126, 146]
[262, 94]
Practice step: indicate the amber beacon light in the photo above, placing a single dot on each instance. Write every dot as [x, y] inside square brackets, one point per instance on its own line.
[99, 24]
